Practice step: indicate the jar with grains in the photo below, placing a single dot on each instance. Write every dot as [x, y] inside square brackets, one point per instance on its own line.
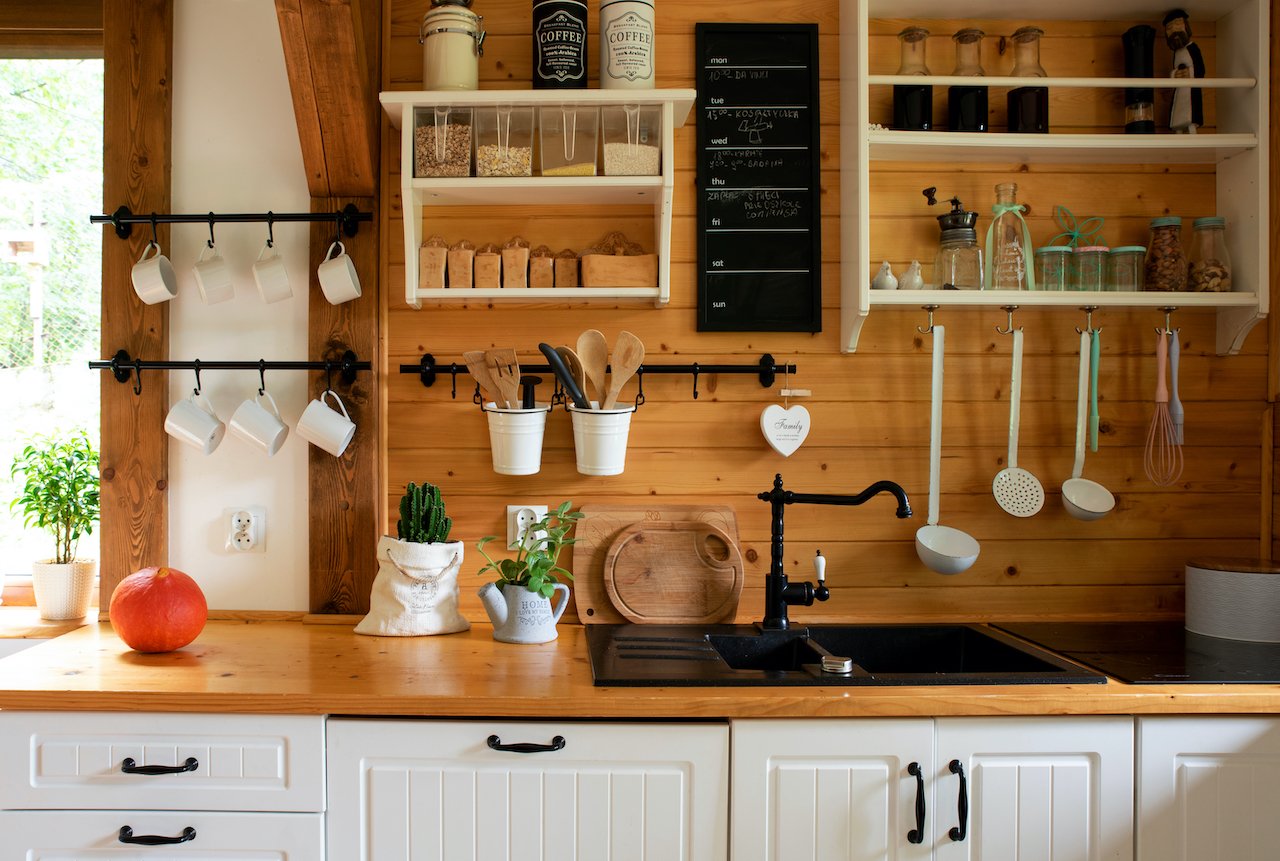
[1165, 266]
[504, 141]
[1210, 263]
[568, 136]
[632, 139]
[442, 141]
[1089, 268]
[1052, 267]
[1124, 268]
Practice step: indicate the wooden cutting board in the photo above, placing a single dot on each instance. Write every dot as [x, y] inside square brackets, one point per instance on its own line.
[674, 573]
[600, 526]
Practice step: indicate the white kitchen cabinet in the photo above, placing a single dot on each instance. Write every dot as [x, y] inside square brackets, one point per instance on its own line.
[1208, 788]
[1057, 789]
[1238, 150]
[428, 789]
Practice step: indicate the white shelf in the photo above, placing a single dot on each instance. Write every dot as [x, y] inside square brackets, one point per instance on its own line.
[1064, 299]
[890, 145]
[653, 191]
[1060, 83]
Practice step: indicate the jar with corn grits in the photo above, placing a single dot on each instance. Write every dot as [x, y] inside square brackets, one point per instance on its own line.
[626, 45]
[1165, 267]
[452, 44]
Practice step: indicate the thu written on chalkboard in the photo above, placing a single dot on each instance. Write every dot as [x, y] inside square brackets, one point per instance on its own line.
[759, 241]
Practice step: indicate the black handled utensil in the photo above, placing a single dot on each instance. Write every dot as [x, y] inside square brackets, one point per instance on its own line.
[566, 378]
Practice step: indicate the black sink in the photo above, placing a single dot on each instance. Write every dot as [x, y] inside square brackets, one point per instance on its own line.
[743, 655]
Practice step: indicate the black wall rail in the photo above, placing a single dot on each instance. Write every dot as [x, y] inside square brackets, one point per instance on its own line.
[347, 219]
[123, 367]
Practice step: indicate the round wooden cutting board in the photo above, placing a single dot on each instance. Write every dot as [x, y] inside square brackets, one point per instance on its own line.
[674, 573]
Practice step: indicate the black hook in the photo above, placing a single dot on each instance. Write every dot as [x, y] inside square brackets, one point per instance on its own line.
[137, 376]
[271, 233]
[453, 375]
[211, 219]
[196, 366]
[639, 389]
[262, 377]
[337, 227]
[155, 236]
[475, 396]
[328, 376]
[695, 380]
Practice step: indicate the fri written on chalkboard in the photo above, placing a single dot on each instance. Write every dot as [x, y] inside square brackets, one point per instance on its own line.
[759, 216]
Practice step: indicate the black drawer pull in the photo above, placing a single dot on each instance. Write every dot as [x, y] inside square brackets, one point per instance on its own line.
[916, 835]
[557, 743]
[962, 805]
[127, 836]
[131, 767]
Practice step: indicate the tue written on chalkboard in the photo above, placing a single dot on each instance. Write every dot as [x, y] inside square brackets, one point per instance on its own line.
[759, 213]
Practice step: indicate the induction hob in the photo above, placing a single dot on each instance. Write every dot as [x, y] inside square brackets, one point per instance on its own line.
[1155, 652]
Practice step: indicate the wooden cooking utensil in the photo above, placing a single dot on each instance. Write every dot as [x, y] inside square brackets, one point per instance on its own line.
[505, 369]
[480, 373]
[574, 364]
[593, 354]
[676, 573]
[628, 356]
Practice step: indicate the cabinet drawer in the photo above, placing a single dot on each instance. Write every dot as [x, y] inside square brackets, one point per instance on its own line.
[89, 834]
[82, 760]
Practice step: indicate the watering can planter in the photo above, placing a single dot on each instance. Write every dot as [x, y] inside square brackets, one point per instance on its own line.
[521, 616]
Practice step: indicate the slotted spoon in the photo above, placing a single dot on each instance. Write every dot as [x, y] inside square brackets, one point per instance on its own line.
[1016, 490]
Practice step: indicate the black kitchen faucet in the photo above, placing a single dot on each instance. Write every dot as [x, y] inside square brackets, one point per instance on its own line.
[778, 593]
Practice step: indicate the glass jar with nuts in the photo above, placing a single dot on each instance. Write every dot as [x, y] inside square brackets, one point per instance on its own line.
[1210, 263]
[1165, 266]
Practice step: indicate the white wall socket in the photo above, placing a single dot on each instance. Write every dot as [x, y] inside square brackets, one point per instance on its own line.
[246, 529]
[519, 519]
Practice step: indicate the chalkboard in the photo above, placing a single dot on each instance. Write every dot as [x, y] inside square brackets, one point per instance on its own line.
[759, 213]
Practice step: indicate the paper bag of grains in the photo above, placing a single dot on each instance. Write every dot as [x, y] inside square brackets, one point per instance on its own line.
[616, 261]
[488, 267]
[566, 268]
[515, 263]
[541, 268]
[461, 258]
[432, 257]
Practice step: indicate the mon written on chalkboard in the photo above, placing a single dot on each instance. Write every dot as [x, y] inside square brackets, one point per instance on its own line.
[759, 239]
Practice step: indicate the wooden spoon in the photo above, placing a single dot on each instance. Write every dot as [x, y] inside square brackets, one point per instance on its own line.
[628, 355]
[480, 373]
[505, 369]
[574, 364]
[593, 355]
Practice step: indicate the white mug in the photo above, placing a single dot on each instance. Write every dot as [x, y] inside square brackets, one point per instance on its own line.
[271, 276]
[194, 422]
[338, 277]
[153, 278]
[325, 428]
[213, 277]
[259, 426]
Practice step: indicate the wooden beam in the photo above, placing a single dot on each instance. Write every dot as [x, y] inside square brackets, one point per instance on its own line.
[138, 108]
[334, 101]
[62, 15]
[71, 29]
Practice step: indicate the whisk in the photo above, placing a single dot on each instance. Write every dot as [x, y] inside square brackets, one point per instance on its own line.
[1163, 459]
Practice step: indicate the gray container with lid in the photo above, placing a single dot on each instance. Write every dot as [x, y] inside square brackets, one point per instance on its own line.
[1234, 598]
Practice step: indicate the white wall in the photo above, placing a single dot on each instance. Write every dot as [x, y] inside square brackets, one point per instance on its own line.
[235, 149]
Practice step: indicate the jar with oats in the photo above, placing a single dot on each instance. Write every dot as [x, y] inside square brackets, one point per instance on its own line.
[1210, 263]
[1165, 266]
[504, 141]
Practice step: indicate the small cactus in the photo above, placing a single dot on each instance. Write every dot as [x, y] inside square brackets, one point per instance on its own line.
[422, 517]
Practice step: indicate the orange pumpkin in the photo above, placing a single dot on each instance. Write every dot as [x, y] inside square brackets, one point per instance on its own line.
[158, 609]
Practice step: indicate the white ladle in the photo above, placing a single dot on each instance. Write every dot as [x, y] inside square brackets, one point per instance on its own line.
[1084, 499]
[1017, 490]
[942, 548]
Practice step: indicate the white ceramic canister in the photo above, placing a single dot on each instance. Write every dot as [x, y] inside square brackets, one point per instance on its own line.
[452, 44]
[626, 45]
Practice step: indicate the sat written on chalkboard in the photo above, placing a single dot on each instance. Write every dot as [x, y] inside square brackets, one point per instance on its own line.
[759, 213]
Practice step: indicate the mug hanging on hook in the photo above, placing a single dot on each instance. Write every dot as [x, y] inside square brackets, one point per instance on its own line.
[785, 428]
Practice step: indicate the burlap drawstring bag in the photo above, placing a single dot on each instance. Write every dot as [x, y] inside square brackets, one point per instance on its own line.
[415, 591]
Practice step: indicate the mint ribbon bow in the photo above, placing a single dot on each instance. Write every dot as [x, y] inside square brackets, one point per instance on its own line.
[1088, 232]
[998, 210]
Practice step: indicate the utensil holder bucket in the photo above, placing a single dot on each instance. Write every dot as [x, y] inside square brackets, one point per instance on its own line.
[600, 439]
[515, 436]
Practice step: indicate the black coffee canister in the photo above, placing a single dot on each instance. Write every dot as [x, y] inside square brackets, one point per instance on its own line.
[559, 44]
[1139, 44]
[913, 107]
[1029, 110]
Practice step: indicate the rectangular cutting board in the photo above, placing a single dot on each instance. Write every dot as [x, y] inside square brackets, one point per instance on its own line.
[596, 532]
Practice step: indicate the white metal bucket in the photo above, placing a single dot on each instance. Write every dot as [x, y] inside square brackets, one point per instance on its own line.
[600, 439]
[515, 436]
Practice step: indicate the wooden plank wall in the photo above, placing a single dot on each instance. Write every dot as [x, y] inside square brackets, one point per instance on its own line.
[869, 409]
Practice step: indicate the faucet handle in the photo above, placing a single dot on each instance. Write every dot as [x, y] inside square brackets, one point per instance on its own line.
[820, 567]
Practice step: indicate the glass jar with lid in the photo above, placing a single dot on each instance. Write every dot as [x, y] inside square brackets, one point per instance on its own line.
[1089, 268]
[958, 263]
[1052, 267]
[1124, 268]
[967, 105]
[1210, 263]
[1165, 266]
[1028, 107]
[913, 103]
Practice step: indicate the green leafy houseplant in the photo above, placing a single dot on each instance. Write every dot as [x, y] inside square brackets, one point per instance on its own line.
[535, 565]
[60, 493]
[422, 517]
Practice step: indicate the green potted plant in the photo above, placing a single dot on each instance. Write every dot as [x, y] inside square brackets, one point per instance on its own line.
[518, 602]
[60, 495]
[416, 589]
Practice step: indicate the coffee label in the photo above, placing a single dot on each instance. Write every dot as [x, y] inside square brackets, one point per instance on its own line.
[628, 45]
[560, 42]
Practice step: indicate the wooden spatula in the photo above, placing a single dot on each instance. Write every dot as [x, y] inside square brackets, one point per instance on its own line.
[593, 354]
[574, 364]
[505, 369]
[480, 373]
[628, 355]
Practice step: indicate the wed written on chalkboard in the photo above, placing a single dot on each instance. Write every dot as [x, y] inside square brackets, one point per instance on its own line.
[759, 213]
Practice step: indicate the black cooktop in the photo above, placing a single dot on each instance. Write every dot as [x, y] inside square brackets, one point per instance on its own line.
[1155, 652]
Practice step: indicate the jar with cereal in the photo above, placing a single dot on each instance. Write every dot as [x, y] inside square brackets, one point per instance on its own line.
[1165, 267]
[442, 142]
[1210, 263]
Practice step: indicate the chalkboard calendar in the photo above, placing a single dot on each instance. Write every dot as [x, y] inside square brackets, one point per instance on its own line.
[759, 218]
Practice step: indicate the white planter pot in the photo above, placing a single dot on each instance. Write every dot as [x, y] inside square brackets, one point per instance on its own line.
[415, 591]
[63, 591]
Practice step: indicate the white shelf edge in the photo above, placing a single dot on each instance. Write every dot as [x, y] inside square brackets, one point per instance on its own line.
[508, 191]
[394, 102]
[1060, 83]
[528, 294]
[894, 145]
[1055, 299]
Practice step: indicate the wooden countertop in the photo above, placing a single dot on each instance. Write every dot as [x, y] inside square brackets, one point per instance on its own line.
[297, 668]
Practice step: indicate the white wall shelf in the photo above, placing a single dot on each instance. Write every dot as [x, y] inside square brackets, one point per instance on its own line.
[653, 191]
[1238, 151]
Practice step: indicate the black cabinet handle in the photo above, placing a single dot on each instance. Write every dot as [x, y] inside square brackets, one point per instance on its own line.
[916, 835]
[557, 743]
[962, 805]
[128, 766]
[127, 836]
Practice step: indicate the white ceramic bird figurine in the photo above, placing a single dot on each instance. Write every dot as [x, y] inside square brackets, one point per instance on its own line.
[884, 279]
[912, 279]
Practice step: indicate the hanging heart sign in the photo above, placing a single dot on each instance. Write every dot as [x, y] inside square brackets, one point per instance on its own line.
[784, 429]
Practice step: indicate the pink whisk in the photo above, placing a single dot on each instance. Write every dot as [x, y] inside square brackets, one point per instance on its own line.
[1163, 458]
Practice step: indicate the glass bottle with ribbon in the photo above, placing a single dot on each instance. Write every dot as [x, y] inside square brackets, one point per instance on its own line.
[1008, 244]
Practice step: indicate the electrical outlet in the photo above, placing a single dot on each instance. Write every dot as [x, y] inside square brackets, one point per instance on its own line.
[246, 529]
[519, 519]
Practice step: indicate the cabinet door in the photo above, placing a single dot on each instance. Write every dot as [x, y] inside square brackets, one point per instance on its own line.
[613, 792]
[1038, 789]
[1208, 788]
[830, 790]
